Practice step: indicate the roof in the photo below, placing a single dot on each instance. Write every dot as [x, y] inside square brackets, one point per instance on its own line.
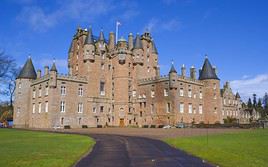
[237, 95]
[71, 47]
[154, 50]
[53, 68]
[28, 70]
[207, 71]
[138, 44]
[172, 69]
[89, 38]
[101, 37]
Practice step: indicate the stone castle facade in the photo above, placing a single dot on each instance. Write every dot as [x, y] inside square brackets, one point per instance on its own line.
[118, 84]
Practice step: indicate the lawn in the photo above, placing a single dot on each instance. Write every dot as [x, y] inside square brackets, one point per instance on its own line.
[28, 148]
[239, 149]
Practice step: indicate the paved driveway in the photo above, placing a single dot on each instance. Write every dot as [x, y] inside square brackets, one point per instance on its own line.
[131, 151]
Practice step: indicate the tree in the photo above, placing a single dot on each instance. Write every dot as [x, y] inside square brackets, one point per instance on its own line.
[5, 64]
[259, 108]
[250, 106]
[254, 101]
[265, 104]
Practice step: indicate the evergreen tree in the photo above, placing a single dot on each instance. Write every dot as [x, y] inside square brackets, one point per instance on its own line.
[259, 108]
[250, 106]
[265, 104]
[254, 101]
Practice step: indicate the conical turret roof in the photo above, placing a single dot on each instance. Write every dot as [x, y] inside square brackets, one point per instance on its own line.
[138, 44]
[101, 37]
[172, 69]
[54, 68]
[89, 38]
[28, 71]
[237, 95]
[154, 50]
[207, 71]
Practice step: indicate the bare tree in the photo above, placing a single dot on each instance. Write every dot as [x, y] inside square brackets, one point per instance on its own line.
[5, 64]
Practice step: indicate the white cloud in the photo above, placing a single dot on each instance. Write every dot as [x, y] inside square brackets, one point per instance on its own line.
[156, 25]
[249, 85]
[84, 10]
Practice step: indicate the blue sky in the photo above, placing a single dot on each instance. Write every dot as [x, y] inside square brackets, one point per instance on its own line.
[232, 33]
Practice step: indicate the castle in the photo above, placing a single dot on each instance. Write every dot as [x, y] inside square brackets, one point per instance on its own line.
[113, 83]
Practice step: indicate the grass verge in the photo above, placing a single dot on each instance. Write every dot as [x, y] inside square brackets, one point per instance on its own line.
[240, 149]
[43, 149]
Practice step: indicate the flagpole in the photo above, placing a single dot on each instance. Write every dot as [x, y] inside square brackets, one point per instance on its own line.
[116, 32]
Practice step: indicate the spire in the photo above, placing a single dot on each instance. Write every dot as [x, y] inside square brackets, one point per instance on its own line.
[138, 44]
[172, 69]
[28, 70]
[154, 50]
[207, 71]
[101, 37]
[237, 95]
[89, 38]
[53, 68]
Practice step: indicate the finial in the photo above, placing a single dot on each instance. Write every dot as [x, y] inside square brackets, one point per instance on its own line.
[206, 56]
[29, 55]
[192, 66]
[54, 60]
[130, 34]
[172, 62]
[183, 65]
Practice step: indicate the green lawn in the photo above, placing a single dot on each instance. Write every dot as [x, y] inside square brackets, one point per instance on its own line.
[27, 148]
[240, 149]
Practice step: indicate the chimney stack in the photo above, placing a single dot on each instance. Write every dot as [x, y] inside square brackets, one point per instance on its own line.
[183, 71]
[130, 41]
[192, 73]
[111, 41]
[46, 70]
[38, 73]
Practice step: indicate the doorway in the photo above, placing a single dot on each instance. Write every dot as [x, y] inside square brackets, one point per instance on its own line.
[121, 124]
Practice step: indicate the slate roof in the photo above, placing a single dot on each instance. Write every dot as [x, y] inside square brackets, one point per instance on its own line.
[53, 68]
[207, 71]
[172, 69]
[89, 38]
[28, 71]
[137, 44]
[154, 50]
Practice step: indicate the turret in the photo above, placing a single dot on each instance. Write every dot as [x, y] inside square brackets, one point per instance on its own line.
[101, 44]
[53, 76]
[183, 71]
[23, 94]
[172, 76]
[89, 47]
[111, 41]
[130, 41]
[38, 73]
[212, 104]
[138, 51]
[154, 50]
[193, 73]
[122, 48]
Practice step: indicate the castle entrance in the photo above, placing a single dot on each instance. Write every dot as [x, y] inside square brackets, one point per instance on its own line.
[121, 124]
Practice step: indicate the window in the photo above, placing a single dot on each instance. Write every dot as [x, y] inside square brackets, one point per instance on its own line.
[229, 101]
[134, 93]
[46, 93]
[215, 97]
[39, 107]
[101, 108]
[181, 91]
[102, 66]
[200, 95]
[80, 107]
[102, 91]
[148, 69]
[224, 101]
[214, 86]
[168, 107]
[46, 106]
[19, 85]
[76, 67]
[194, 96]
[39, 92]
[152, 93]
[63, 90]
[190, 108]
[94, 110]
[189, 93]
[165, 92]
[200, 109]
[181, 108]
[33, 108]
[18, 110]
[62, 106]
[80, 91]
[152, 108]
[34, 94]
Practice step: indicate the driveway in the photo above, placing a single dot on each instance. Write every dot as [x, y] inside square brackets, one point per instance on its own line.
[130, 151]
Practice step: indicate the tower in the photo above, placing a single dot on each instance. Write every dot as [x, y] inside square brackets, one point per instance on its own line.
[23, 94]
[212, 100]
[89, 47]
[53, 76]
[172, 77]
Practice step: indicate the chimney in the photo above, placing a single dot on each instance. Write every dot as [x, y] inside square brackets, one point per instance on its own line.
[183, 71]
[111, 41]
[38, 73]
[130, 41]
[46, 70]
[192, 73]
